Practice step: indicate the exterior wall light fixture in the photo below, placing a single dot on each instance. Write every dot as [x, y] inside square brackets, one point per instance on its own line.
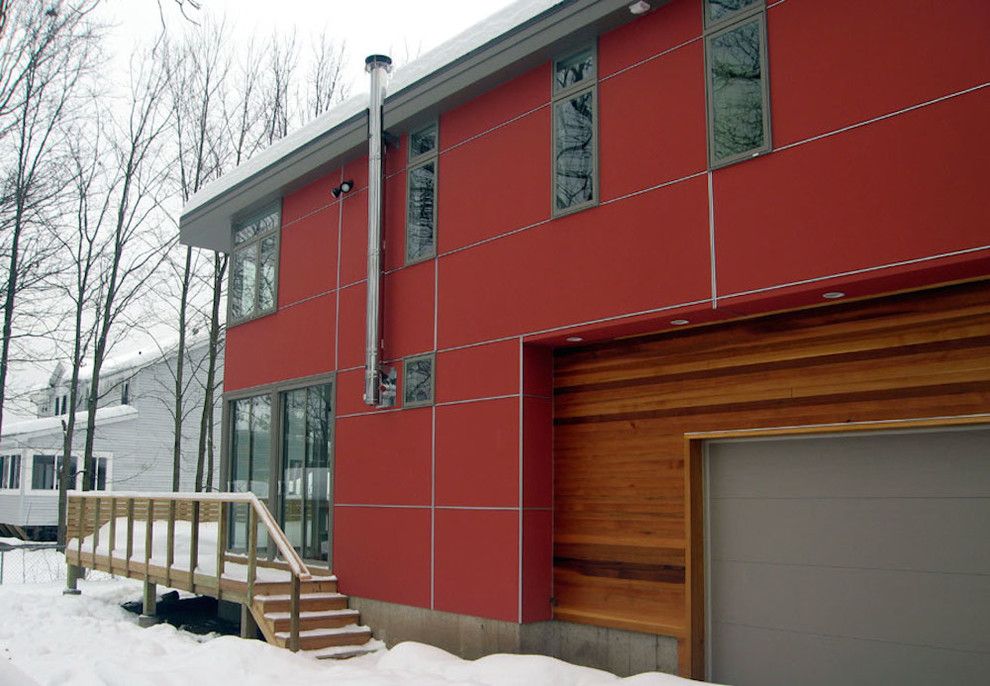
[344, 187]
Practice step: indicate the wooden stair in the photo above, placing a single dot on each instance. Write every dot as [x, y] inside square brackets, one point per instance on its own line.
[328, 629]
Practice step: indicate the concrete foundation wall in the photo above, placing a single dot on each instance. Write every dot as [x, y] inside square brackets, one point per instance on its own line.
[622, 652]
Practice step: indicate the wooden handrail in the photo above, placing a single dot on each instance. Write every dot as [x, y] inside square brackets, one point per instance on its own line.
[265, 518]
[258, 513]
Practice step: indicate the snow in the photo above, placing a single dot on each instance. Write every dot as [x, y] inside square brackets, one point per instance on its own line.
[447, 53]
[44, 425]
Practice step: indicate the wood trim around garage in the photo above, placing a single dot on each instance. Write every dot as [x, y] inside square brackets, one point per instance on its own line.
[631, 417]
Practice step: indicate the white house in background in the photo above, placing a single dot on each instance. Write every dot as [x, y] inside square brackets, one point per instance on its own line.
[133, 442]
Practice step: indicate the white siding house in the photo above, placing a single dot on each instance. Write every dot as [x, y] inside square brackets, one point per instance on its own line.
[132, 445]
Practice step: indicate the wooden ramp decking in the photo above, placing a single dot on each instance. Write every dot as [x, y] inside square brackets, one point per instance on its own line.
[159, 538]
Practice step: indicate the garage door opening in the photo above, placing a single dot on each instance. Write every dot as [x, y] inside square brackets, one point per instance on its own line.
[856, 558]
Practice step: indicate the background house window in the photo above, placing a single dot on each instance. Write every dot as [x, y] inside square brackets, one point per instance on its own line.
[10, 472]
[575, 132]
[254, 266]
[125, 393]
[43, 473]
[417, 380]
[736, 81]
[421, 194]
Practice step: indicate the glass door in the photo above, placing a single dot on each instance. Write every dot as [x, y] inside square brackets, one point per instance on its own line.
[250, 464]
[307, 470]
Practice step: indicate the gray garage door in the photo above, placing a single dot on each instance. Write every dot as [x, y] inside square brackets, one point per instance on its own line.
[850, 559]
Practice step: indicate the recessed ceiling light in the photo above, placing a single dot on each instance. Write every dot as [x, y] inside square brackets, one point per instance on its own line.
[679, 322]
[833, 295]
[574, 339]
[639, 7]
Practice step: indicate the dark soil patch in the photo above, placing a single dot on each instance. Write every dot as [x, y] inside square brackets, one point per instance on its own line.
[196, 615]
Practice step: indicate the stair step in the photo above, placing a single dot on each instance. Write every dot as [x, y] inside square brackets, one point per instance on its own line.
[326, 584]
[308, 602]
[311, 639]
[281, 621]
[345, 652]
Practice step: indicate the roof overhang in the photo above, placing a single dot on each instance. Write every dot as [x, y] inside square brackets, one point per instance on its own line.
[298, 160]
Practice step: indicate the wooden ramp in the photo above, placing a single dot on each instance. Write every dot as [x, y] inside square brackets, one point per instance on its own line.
[159, 537]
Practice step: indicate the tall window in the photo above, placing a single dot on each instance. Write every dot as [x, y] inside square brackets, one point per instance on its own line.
[10, 471]
[43, 473]
[421, 185]
[307, 444]
[254, 266]
[575, 132]
[125, 393]
[736, 80]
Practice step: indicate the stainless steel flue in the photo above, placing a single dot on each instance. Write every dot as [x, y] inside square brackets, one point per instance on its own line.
[377, 66]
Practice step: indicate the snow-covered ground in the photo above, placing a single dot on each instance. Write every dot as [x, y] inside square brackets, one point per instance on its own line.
[48, 639]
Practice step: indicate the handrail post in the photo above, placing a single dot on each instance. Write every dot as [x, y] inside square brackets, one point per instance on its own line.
[294, 614]
[221, 544]
[252, 543]
[81, 530]
[170, 543]
[112, 543]
[148, 537]
[96, 528]
[130, 537]
[193, 543]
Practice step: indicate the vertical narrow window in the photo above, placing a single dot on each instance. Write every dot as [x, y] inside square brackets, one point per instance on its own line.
[125, 393]
[575, 132]
[307, 448]
[417, 380]
[421, 194]
[10, 472]
[254, 268]
[736, 80]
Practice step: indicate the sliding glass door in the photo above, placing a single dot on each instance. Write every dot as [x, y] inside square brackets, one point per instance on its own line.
[307, 445]
[281, 449]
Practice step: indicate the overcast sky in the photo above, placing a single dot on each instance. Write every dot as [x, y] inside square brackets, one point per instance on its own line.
[401, 28]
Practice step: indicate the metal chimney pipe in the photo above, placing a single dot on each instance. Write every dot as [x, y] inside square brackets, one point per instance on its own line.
[377, 66]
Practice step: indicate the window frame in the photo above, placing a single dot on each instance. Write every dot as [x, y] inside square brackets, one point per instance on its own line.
[755, 12]
[255, 243]
[56, 463]
[415, 162]
[406, 361]
[558, 95]
[8, 474]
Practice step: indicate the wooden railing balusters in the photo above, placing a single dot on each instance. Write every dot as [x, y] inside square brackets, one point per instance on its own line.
[252, 543]
[149, 536]
[96, 527]
[193, 543]
[112, 543]
[130, 535]
[82, 530]
[221, 544]
[170, 543]
[294, 615]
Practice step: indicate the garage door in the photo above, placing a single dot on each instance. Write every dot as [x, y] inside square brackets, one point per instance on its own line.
[850, 559]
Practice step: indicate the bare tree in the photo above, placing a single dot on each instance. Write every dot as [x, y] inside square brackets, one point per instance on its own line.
[325, 86]
[44, 55]
[135, 188]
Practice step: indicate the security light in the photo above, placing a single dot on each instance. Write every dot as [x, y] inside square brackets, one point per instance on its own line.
[344, 187]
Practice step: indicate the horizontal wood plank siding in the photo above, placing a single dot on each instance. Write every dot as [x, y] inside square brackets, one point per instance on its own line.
[622, 409]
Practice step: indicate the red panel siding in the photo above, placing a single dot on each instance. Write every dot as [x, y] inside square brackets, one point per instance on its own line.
[843, 61]
[309, 199]
[670, 26]
[384, 458]
[857, 199]
[496, 107]
[308, 257]
[478, 454]
[495, 183]
[354, 238]
[655, 119]
[393, 224]
[537, 452]
[477, 563]
[383, 553]
[538, 370]
[407, 310]
[481, 371]
[293, 342]
[537, 565]
[353, 301]
[645, 252]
